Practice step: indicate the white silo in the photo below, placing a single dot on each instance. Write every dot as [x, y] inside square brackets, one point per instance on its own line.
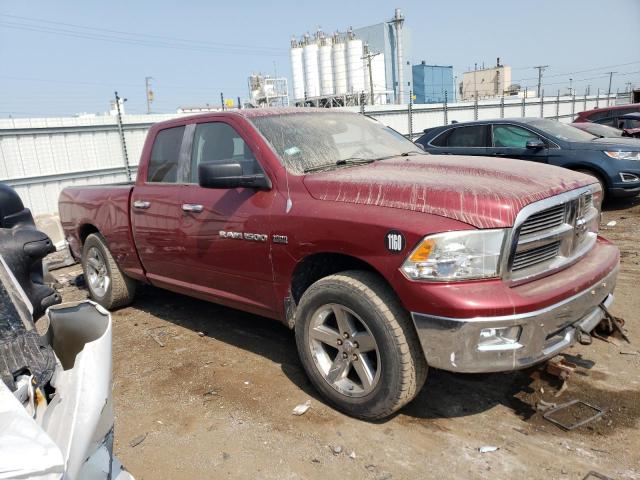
[297, 70]
[378, 72]
[326, 66]
[339, 59]
[355, 65]
[311, 71]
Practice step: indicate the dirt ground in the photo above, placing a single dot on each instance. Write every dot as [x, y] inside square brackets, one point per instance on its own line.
[210, 392]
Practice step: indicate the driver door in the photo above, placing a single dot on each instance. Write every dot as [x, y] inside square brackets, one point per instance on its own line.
[510, 141]
[235, 270]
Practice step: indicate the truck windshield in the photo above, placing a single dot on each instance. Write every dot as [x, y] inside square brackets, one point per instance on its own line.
[309, 142]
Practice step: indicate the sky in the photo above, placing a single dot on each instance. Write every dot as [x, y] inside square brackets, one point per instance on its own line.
[66, 57]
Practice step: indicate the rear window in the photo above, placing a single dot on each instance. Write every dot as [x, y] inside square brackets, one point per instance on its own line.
[472, 136]
[163, 165]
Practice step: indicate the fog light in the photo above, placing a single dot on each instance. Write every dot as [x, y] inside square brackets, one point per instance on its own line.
[504, 338]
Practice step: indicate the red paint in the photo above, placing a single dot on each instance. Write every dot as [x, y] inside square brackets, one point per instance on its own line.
[347, 211]
[587, 115]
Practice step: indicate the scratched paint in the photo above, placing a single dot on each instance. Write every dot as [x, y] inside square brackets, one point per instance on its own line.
[483, 192]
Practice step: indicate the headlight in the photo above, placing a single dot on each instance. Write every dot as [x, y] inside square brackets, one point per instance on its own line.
[456, 256]
[623, 155]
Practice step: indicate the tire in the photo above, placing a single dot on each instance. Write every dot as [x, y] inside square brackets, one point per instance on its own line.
[603, 185]
[395, 369]
[117, 290]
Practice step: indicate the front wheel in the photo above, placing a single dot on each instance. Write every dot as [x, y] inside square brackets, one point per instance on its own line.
[358, 345]
[107, 284]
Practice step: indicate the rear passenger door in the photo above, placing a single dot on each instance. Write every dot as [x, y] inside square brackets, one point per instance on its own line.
[155, 209]
[463, 140]
[510, 141]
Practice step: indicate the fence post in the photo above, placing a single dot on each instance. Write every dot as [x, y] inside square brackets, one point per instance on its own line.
[475, 108]
[584, 107]
[524, 104]
[362, 98]
[446, 112]
[410, 111]
[123, 142]
[573, 106]
[598, 99]
[558, 105]
[542, 104]
[502, 106]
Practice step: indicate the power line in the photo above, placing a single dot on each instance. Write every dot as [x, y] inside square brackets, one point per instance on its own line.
[161, 37]
[134, 41]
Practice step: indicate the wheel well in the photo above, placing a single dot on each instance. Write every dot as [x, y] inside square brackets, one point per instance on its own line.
[320, 265]
[86, 230]
[592, 171]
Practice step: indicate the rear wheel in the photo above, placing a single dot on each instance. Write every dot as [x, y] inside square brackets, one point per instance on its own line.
[358, 345]
[106, 283]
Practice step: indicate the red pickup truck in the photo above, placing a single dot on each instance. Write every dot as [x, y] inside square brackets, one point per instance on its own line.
[382, 258]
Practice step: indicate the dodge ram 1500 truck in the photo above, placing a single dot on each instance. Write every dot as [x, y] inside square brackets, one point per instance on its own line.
[382, 258]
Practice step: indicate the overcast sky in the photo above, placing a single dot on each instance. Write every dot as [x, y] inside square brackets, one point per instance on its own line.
[64, 57]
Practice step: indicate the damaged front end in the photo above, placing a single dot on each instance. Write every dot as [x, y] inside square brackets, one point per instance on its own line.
[56, 413]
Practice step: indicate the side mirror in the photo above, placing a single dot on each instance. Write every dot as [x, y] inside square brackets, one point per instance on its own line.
[535, 144]
[229, 175]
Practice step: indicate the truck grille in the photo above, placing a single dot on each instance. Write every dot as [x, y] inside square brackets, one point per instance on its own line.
[555, 232]
[545, 220]
[527, 258]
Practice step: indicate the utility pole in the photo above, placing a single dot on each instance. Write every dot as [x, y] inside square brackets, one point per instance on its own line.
[222, 101]
[149, 93]
[610, 80]
[398, 21]
[541, 69]
[368, 56]
[570, 86]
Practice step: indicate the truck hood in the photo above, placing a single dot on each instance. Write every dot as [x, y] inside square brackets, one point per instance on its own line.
[481, 191]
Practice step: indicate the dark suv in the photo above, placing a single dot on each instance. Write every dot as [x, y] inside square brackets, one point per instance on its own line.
[615, 162]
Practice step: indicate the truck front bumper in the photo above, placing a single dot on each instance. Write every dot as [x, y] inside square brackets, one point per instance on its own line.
[475, 345]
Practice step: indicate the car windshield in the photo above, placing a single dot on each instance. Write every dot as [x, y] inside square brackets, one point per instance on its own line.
[561, 131]
[603, 131]
[319, 141]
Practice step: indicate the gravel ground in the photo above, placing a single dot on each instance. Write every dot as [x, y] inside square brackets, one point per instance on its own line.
[210, 392]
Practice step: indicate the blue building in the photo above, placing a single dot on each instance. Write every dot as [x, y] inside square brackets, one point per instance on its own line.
[430, 82]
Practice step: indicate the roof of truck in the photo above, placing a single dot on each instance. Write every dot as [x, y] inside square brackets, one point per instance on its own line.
[264, 112]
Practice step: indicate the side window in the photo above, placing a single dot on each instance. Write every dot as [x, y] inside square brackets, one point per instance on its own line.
[474, 136]
[510, 136]
[610, 121]
[219, 142]
[163, 165]
[441, 140]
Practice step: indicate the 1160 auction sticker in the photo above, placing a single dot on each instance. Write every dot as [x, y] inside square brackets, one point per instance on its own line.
[394, 241]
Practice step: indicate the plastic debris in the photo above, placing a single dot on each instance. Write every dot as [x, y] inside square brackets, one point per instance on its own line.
[302, 408]
[612, 223]
[352, 455]
[488, 448]
[138, 440]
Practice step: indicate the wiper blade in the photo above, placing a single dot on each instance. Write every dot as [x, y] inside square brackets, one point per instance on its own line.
[339, 163]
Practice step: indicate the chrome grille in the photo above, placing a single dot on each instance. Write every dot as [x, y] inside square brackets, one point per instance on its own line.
[551, 234]
[528, 258]
[545, 220]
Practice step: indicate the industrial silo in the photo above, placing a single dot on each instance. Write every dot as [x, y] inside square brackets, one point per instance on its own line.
[297, 70]
[355, 64]
[325, 66]
[311, 71]
[339, 59]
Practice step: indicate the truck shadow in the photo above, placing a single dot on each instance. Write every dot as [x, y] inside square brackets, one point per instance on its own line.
[616, 204]
[445, 395]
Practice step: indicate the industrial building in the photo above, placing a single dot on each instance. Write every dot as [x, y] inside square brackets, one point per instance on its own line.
[350, 67]
[267, 91]
[486, 82]
[433, 83]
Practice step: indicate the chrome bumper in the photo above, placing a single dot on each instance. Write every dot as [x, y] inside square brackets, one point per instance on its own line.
[453, 344]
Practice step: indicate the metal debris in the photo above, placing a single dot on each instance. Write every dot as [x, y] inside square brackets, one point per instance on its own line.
[488, 448]
[599, 412]
[599, 476]
[561, 368]
[543, 406]
[302, 408]
[138, 440]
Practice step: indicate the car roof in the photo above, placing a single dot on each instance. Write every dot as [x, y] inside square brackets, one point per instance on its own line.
[526, 120]
[586, 113]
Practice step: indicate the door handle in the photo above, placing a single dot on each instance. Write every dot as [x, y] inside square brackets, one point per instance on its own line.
[141, 204]
[192, 207]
